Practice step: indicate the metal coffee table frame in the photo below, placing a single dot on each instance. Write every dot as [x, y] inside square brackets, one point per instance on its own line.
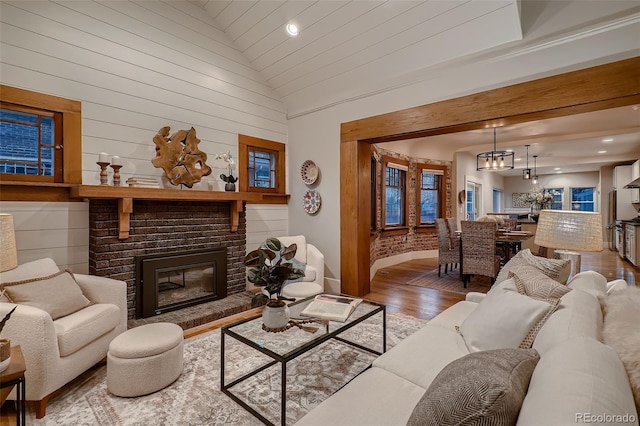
[283, 359]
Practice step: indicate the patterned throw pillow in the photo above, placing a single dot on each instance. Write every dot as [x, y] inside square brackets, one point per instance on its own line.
[482, 388]
[533, 283]
[556, 269]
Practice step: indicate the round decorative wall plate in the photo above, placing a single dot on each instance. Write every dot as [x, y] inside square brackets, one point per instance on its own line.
[311, 201]
[309, 172]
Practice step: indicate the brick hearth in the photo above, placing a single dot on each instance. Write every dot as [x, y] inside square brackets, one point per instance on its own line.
[158, 227]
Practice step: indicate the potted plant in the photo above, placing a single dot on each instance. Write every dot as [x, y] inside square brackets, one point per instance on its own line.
[5, 344]
[229, 180]
[270, 266]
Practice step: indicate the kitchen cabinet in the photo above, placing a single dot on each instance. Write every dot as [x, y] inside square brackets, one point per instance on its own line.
[632, 239]
[635, 174]
[621, 176]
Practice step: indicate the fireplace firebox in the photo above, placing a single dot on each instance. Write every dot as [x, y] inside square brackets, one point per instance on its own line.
[166, 282]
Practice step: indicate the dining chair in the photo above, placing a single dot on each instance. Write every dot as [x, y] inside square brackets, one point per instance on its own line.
[478, 250]
[448, 246]
[510, 224]
[453, 225]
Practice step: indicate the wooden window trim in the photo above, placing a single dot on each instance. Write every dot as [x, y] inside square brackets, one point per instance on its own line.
[404, 225]
[71, 112]
[245, 143]
[442, 196]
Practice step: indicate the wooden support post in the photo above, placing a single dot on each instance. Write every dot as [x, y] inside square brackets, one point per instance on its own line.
[125, 208]
[235, 208]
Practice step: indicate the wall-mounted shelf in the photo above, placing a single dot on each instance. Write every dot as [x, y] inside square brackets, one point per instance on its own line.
[127, 195]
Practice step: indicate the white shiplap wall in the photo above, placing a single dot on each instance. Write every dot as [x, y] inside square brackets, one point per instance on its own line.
[136, 67]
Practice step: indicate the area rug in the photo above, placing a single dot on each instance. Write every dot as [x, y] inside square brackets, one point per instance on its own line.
[195, 398]
[451, 282]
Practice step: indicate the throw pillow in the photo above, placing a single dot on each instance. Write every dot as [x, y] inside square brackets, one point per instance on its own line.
[502, 320]
[58, 294]
[482, 388]
[621, 331]
[556, 269]
[533, 283]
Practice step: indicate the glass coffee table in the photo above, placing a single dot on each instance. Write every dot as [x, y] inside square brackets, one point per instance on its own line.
[285, 346]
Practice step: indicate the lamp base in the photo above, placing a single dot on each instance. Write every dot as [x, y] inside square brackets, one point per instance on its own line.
[574, 257]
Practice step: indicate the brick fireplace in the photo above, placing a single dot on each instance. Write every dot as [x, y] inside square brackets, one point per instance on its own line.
[160, 227]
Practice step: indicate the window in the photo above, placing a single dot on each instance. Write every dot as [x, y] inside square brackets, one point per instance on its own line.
[582, 199]
[40, 138]
[29, 139]
[395, 192]
[556, 204]
[261, 165]
[374, 194]
[431, 194]
[498, 196]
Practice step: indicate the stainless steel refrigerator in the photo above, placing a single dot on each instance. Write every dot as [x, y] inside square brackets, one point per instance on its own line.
[613, 221]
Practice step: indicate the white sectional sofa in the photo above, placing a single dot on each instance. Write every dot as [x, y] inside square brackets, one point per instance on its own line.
[578, 379]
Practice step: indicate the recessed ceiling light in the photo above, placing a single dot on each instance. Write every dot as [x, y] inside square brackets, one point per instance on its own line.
[607, 140]
[556, 168]
[292, 29]
[559, 171]
[517, 159]
[602, 152]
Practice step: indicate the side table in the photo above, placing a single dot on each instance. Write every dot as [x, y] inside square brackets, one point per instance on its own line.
[14, 376]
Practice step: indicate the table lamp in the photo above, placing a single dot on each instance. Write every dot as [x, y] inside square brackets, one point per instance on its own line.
[8, 253]
[569, 230]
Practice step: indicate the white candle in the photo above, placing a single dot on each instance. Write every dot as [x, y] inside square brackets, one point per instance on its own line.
[115, 161]
[103, 157]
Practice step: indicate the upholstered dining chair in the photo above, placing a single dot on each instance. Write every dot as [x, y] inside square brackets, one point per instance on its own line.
[448, 246]
[479, 250]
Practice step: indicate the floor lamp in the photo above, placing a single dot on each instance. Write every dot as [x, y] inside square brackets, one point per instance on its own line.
[8, 253]
[570, 231]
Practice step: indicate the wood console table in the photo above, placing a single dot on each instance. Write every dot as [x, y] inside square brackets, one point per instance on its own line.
[127, 195]
[14, 376]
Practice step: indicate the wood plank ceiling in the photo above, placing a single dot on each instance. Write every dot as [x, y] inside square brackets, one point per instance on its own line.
[340, 41]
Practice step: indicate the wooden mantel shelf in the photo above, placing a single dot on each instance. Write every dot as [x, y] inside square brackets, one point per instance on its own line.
[126, 196]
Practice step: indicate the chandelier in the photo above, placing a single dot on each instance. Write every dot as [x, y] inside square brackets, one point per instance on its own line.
[495, 160]
[526, 173]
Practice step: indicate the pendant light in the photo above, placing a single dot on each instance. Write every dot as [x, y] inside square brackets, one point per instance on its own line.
[495, 160]
[535, 171]
[526, 173]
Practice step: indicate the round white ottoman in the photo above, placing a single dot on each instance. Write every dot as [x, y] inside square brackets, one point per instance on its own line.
[144, 359]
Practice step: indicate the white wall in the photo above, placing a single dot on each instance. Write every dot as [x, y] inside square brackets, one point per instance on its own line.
[566, 181]
[316, 135]
[136, 67]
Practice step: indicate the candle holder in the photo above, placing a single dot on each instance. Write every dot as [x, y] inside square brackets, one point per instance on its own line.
[116, 174]
[103, 172]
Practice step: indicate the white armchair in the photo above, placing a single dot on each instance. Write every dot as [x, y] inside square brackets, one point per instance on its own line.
[57, 351]
[313, 281]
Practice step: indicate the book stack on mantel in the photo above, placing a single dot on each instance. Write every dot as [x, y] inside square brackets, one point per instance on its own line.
[140, 182]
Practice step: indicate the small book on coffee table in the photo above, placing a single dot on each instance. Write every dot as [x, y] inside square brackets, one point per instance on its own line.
[331, 307]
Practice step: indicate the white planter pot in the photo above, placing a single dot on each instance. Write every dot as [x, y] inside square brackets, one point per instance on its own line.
[274, 317]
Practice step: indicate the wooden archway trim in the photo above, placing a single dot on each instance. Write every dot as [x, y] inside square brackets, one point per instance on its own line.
[591, 89]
